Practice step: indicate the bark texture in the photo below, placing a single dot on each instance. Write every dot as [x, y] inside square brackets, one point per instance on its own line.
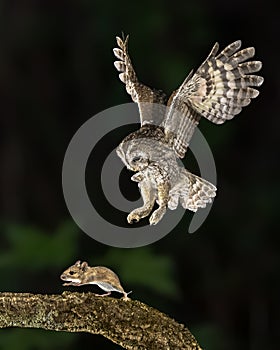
[130, 324]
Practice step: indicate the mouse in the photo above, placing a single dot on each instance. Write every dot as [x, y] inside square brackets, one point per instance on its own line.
[81, 274]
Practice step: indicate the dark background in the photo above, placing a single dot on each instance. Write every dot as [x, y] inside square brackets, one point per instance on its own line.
[56, 71]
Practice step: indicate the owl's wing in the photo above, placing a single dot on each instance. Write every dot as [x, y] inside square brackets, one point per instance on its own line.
[143, 95]
[218, 90]
[191, 191]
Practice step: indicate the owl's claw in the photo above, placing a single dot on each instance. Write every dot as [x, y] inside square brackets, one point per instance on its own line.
[133, 217]
[138, 214]
[157, 215]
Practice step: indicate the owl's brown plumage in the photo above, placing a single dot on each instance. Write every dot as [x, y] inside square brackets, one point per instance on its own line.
[218, 90]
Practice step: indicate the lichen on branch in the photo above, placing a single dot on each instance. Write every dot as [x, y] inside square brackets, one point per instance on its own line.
[130, 324]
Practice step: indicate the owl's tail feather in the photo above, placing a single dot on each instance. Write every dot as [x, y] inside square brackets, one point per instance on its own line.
[192, 191]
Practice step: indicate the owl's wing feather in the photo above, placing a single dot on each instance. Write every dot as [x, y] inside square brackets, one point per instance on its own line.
[218, 90]
[200, 193]
[143, 95]
[191, 191]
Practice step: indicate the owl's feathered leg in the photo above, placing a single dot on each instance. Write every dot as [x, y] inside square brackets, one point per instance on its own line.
[148, 195]
[160, 178]
[162, 200]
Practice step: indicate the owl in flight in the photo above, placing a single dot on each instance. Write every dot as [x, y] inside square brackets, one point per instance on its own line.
[217, 90]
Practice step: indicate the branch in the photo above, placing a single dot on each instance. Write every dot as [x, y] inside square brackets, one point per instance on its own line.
[130, 324]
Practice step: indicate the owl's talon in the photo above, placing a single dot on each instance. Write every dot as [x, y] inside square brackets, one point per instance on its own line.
[138, 214]
[133, 221]
[133, 218]
[153, 220]
[157, 215]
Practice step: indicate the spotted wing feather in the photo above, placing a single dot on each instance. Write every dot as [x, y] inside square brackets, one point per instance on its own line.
[192, 192]
[218, 90]
[141, 94]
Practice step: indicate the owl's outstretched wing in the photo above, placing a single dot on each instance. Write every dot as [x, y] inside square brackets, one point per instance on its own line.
[143, 95]
[218, 90]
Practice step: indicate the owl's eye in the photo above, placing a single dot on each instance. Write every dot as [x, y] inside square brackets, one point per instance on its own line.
[136, 159]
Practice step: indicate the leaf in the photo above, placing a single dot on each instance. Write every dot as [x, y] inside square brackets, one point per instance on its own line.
[143, 267]
[30, 246]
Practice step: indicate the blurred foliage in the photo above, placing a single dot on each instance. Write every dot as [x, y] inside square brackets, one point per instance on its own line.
[31, 246]
[35, 339]
[143, 268]
[37, 250]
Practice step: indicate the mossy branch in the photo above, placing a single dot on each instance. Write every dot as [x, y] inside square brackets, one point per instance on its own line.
[130, 324]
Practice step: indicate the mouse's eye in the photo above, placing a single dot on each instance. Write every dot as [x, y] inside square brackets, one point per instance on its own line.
[71, 273]
[136, 159]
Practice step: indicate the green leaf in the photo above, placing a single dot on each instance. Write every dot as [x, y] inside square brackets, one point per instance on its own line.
[143, 267]
[31, 246]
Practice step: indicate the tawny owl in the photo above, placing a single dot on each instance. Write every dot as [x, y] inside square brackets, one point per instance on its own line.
[218, 90]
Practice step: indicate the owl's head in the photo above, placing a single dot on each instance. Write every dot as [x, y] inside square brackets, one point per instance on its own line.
[138, 161]
[134, 157]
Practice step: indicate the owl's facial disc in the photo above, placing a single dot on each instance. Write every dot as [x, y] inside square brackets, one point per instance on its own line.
[120, 152]
[135, 159]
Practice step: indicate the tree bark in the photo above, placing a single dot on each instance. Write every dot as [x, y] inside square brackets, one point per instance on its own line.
[130, 324]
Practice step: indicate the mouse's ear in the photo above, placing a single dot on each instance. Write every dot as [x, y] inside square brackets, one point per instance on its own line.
[84, 266]
[78, 263]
